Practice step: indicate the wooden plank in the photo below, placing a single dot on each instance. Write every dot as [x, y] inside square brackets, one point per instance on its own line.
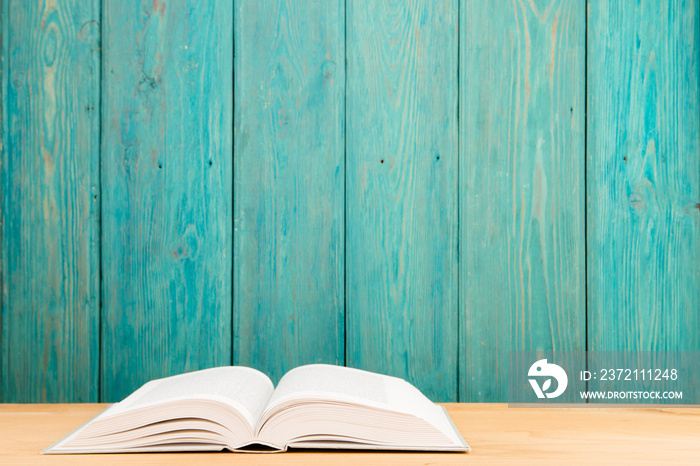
[401, 261]
[289, 184]
[167, 175]
[496, 433]
[50, 207]
[522, 240]
[643, 176]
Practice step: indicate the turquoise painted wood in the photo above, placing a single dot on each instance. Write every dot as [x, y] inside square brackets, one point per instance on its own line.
[643, 176]
[49, 219]
[166, 182]
[401, 189]
[522, 156]
[289, 184]
[408, 186]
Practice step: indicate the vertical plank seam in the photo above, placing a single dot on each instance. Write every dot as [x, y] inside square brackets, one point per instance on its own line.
[585, 180]
[345, 183]
[459, 205]
[3, 151]
[233, 184]
[99, 208]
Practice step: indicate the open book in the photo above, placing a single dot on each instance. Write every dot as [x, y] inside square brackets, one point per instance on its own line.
[239, 409]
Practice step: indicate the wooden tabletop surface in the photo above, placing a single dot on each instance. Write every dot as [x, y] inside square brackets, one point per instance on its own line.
[496, 433]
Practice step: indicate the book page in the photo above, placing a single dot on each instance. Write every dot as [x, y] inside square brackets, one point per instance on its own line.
[246, 389]
[335, 381]
[344, 384]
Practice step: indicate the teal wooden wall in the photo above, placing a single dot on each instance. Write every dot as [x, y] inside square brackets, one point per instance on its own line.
[411, 187]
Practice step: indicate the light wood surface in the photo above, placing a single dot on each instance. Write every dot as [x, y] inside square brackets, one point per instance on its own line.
[496, 433]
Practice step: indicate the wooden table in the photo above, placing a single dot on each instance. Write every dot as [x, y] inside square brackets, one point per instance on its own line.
[496, 433]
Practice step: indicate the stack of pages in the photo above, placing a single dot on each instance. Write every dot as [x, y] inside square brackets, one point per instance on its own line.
[239, 409]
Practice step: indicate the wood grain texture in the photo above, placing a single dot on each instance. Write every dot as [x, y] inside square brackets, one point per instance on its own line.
[643, 176]
[401, 230]
[522, 240]
[50, 210]
[497, 434]
[166, 179]
[289, 184]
